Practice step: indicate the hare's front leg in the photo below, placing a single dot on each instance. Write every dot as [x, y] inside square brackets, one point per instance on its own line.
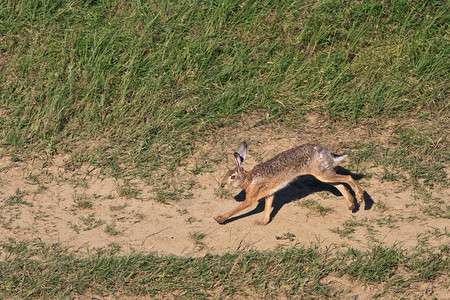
[249, 200]
[267, 211]
[242, 206]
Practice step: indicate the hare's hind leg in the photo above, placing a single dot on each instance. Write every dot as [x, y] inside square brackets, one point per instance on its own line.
[267, 211]
[333, 178]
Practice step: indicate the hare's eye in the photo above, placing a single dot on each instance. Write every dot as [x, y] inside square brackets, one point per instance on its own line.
[233, 176]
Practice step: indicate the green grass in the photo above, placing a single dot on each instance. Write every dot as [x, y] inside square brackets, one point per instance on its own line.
[36, 270]
[149, 78]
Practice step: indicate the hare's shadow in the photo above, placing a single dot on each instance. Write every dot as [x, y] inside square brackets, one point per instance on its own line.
[300, 188]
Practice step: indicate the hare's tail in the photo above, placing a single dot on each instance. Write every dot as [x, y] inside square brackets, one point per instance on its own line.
[337, 158]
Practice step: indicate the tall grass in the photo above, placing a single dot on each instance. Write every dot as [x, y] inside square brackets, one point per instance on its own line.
[148, 77]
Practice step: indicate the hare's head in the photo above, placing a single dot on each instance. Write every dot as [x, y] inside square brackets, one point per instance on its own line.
[235, 178]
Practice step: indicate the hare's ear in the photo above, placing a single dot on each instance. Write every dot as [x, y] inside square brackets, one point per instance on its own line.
[240, 154]
[239, 160]
[242, 150]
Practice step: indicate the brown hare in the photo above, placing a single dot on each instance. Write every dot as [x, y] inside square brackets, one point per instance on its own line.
[270, 176]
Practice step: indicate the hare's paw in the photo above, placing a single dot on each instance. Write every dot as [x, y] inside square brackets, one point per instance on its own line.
[360, 197]
[220, 219]
[351, 206]
[262, 222]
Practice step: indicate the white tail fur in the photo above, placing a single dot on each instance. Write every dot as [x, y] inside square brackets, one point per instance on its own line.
[339, 158]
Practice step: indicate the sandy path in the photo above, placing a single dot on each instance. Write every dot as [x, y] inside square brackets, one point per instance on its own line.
[45, 201]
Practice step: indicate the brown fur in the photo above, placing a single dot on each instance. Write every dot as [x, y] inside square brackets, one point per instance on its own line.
[270, 176]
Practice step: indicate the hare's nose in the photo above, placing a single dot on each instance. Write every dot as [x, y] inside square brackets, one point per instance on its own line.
[222, 184]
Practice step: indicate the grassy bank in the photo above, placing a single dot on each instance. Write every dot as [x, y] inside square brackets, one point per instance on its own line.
[34, 270]
[149, 78]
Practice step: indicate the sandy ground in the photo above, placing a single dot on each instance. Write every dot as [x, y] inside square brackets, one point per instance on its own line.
[42, 199]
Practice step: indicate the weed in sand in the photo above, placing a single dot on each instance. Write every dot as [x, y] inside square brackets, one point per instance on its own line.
[138, 216]
[198, 169]
[82, 183]
[182, 211]
[83, 201]
[412, 218]
[314, 206]
[287, 236]
[381, 206]
[343, 233]
[40, 215]
[197, 238]
[191, 220]
[119, 207]
[389, 221]
[74, 227]
[389, 175]
[17, 198]
[113, 248]
[33, 179]
[188, 195]
[41, 189]
[164, 196]
[437, 233]
[223, 193]
[437, 211]
[352, 223]
[90, 222]
[7, 221]
[111, 230]
[348, 230]
[16, 158]
[128, 190]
